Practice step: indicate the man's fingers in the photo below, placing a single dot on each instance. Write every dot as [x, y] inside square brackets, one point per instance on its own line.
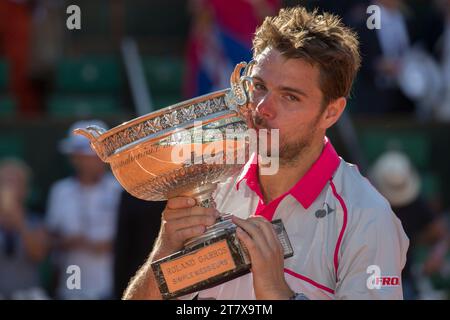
[261, 231]
[269, 233]
[188, 212]
[180, 203]
[245, 238]
[187, 233]
[177, 231]
[187, 222]
[252, 247]
[253, 230]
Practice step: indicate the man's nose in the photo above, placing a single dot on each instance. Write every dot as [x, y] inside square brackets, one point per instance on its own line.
[265, 106]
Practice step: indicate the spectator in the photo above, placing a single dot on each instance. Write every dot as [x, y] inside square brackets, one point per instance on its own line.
[441, 26]
[23, 241]
[81, 218]
[377, 89]
[396, 178]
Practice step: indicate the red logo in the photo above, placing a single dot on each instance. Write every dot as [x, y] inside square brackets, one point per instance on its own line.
[387, 281]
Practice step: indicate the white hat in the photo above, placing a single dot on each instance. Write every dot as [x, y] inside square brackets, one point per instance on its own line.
[396, 179]
[79, 144]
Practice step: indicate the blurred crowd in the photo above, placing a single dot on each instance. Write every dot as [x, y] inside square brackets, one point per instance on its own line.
[90, 222]
[406, 59]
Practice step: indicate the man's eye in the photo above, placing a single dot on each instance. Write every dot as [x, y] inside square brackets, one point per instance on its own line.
[259, 86]
[290, 97]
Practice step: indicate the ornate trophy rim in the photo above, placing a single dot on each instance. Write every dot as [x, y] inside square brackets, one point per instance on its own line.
[156, 125]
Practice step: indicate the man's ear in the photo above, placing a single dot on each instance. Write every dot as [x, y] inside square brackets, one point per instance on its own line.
[333, 112]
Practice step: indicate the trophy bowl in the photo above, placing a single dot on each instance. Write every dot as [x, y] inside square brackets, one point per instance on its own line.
[181, 150]
[185, 150]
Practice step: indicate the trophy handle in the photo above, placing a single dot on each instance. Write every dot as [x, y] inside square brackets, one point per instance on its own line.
[92, 132]
[240, 94]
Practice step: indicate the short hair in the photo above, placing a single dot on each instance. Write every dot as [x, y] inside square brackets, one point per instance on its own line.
[321, 40]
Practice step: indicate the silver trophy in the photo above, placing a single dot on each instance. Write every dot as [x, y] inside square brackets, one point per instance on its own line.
[185, 150]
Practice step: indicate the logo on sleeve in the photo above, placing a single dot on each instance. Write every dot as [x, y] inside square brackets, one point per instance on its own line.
[377, 281]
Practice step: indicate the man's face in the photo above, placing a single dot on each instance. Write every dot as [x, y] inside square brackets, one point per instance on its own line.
[287, 97]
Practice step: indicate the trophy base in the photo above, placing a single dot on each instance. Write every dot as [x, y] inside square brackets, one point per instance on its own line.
[209, 260]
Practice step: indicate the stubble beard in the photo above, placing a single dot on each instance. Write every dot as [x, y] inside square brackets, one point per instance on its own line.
[290, 151]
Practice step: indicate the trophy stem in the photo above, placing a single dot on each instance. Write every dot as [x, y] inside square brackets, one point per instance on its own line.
[203, 195]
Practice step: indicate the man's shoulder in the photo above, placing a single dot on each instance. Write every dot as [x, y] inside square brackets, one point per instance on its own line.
[360, 197]
[367, 211]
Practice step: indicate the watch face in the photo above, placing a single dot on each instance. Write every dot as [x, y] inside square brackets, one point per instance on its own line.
[298, 296]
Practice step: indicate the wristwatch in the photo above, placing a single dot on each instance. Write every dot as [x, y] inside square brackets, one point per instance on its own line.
[298, 296]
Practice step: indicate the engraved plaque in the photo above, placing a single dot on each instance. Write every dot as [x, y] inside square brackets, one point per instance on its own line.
[218, 258]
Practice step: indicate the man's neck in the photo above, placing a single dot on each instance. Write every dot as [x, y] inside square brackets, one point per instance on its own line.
[273, 186]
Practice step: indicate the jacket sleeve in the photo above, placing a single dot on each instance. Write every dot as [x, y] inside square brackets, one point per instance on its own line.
[372, 256]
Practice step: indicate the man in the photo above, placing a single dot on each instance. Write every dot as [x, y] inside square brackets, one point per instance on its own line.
[81, 217]
[384, 50]
[340, 226]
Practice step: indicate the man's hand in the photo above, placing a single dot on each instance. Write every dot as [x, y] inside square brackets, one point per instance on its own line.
[266, 254]
[182, 220]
